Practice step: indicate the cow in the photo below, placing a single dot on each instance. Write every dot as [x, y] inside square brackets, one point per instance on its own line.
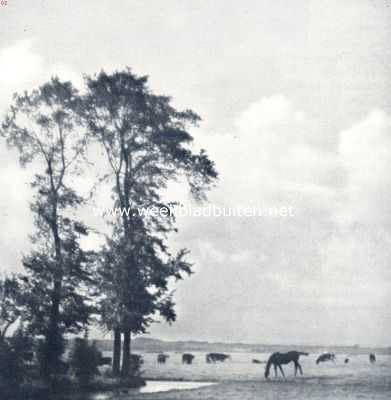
[326, 357]
[187, 358]
[162, 358]
[256, 361]
[215, 357]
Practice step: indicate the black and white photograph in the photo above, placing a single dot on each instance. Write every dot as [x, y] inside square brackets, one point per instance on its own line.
[195, 199]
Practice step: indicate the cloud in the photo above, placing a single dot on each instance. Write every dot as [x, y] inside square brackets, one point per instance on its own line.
[19, 65]
[22, 68]
[15, 216]
[273, 156]
[311, 270]
[364, 153]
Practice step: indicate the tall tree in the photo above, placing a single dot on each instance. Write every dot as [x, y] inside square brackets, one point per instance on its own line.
[146, 142]
[44, 127]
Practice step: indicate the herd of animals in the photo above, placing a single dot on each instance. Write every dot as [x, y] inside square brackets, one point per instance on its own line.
[276, 360]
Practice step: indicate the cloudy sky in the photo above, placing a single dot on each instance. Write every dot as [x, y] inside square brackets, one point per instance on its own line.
[296, 107]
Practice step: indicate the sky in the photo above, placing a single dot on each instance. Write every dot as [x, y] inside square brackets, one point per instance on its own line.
[294, 98]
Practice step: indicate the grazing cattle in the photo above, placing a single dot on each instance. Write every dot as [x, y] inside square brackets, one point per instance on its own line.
[187, 358]
[278, 359]
[215, 357]
[326, 357]
[162, 358]
[372, 358]
[105, 361]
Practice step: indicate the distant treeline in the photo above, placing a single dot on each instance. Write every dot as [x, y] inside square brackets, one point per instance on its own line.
[149, 345]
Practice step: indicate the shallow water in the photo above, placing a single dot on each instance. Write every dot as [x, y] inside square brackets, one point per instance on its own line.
[240, 367]
[153, 387]
[165, 386]
[240, 379]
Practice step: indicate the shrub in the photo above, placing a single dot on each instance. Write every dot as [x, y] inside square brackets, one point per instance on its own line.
[22, 343]
[136, 362]
[11, 366]
[84, 359]
[13, 370]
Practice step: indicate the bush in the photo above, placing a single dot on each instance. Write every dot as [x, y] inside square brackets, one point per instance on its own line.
[22, 343]
[11, 366]
[84, 359]
[136, 362]
[13, 370]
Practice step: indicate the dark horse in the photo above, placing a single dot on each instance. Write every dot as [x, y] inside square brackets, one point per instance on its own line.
[214, 357]
[372, 358]
[187, 358]
[161, 358]
[326, 357]
[278, 359]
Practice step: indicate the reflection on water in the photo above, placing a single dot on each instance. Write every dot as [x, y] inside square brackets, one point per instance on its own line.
[153, 387]
[101, 396]
[164, 386]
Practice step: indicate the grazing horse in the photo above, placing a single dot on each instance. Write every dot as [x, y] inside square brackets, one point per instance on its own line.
[256, 361]
[137, 359]
[187, 358]
[162, 358]
[372, 358]
[278, 359]
[326, 357]
[213, 357]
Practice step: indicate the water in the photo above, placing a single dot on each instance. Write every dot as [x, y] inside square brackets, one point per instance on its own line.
[165, 386]
[240, 367]
[239, 378]
[153, 387]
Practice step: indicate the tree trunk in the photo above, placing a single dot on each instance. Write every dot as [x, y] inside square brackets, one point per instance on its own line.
[53, 347]
[125, 372]
[54, 339]
[116, 352]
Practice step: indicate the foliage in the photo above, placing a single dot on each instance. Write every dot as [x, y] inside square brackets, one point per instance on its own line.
[146, 142]
[84, 359]
[11, 367]
[147, 145]
[44, 127]
[11, 301]
[136, 362]
[13, 370]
